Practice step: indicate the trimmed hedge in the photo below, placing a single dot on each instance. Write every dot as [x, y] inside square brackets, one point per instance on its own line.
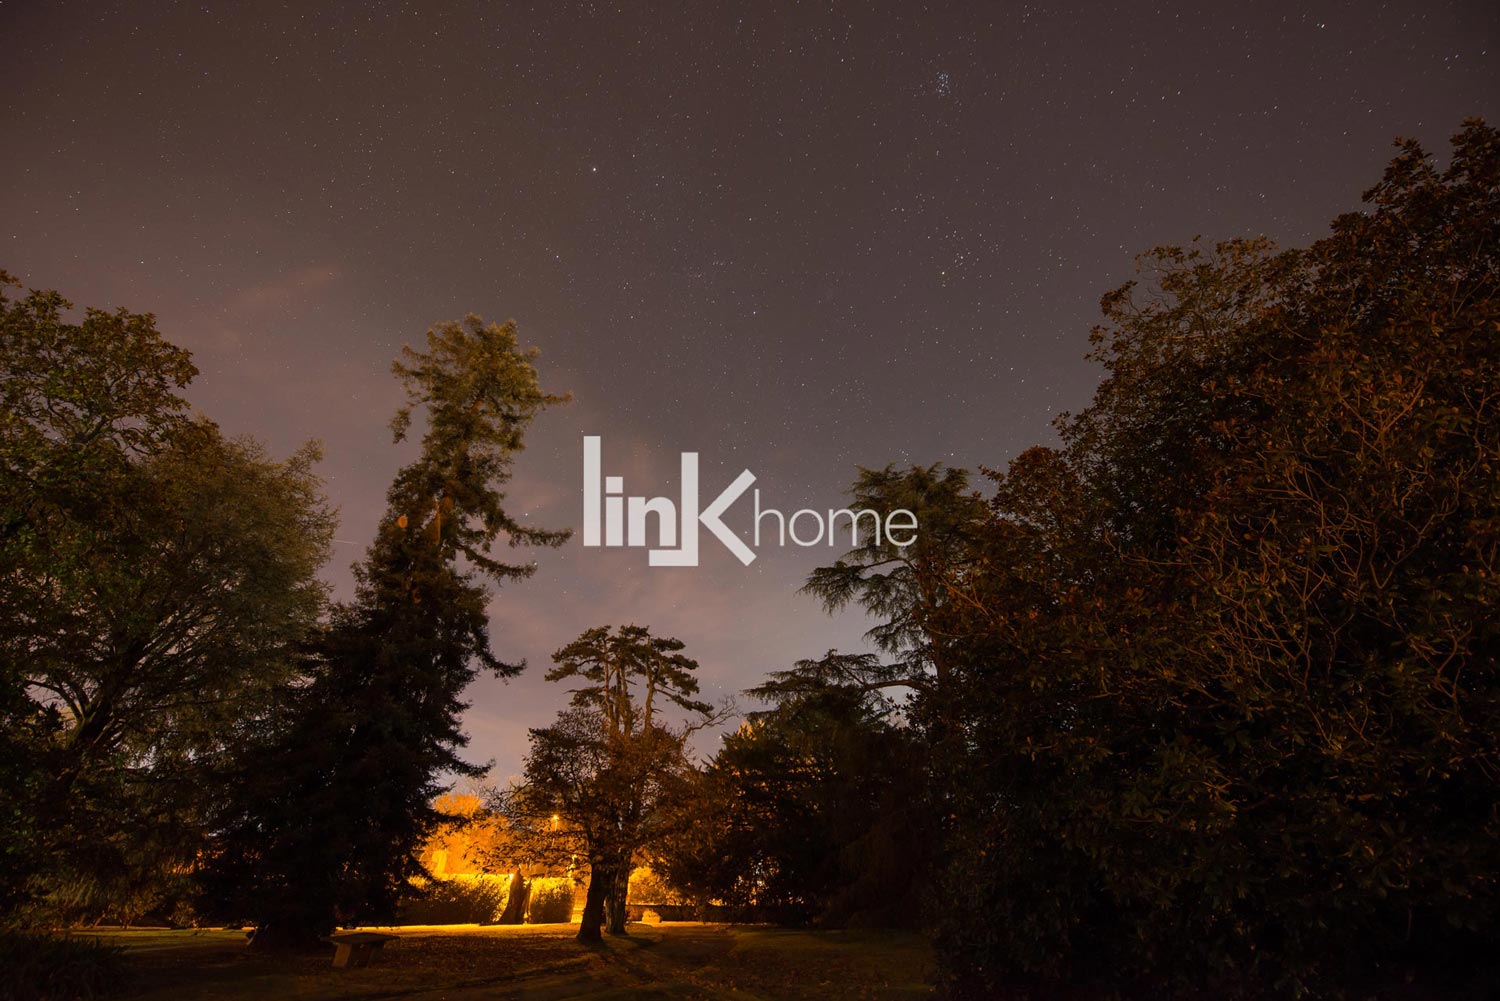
[458, 900]
[551, 900]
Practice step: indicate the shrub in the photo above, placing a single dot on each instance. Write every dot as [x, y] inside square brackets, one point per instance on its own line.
[458, 901]
[51, 968]
[648, 887]
[551, 901]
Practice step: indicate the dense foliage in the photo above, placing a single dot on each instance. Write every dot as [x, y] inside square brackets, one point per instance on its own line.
[45, 968]
[154, 577]
[1227, 682]
[814, 811]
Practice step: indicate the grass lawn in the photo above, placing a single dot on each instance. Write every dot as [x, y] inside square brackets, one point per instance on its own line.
[537, 962]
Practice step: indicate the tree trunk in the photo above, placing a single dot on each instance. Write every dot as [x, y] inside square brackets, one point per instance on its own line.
[515, 899]
[600, 880]
[619, 891]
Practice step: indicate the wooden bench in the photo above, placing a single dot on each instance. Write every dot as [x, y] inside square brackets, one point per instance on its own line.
[354, 948]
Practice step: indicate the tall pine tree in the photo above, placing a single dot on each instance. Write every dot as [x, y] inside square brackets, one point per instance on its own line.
[334, 793]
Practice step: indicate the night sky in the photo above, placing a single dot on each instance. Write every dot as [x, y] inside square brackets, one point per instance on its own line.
[792, 238]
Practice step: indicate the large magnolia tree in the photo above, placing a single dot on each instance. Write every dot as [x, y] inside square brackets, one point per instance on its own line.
[1227, 683]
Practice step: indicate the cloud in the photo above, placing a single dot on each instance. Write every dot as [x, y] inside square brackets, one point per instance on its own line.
[286, 289]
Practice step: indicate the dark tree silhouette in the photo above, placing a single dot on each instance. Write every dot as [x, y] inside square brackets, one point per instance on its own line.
[153, 578]
[597, 779]
[1226, 680]
[336, 797]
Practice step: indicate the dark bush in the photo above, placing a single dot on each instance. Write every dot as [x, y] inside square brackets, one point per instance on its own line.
[55, 968]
